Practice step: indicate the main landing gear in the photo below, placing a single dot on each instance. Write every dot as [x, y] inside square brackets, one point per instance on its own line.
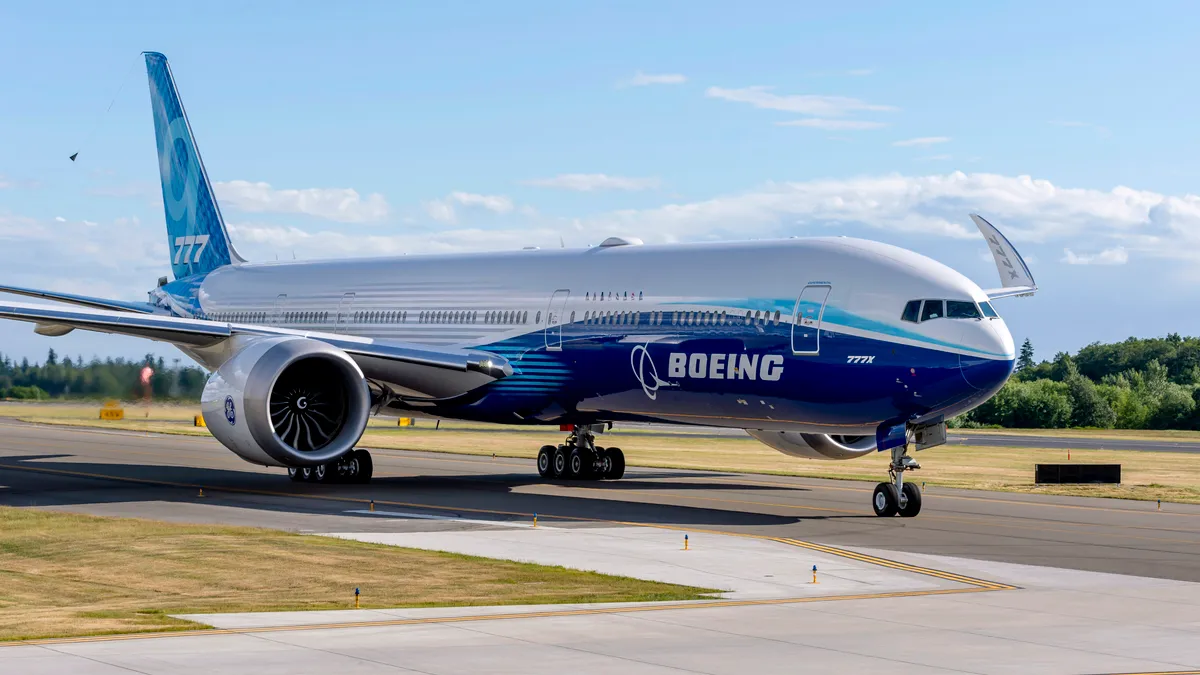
[898, 497]
[580, 459]
[353, 467]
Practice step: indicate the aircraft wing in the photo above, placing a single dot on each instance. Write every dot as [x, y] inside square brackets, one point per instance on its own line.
[84, 300]
[1015, 277]
[429, 371]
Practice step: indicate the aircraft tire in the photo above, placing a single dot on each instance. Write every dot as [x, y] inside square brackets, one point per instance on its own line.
[558, 467]
[295, 475]
[911, 504]
[577, 465]
[545, 461]
[885, 500]
[617, 467]
[366, 468]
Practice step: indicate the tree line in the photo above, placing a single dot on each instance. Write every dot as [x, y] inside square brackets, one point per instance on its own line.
[111, 378]
[1141, 383]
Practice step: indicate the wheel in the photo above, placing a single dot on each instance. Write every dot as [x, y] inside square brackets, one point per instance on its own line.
[559, 467]
[910, 500]
[577, 466]
[615, 464]
[606, 463]
[885, 500]
[306, 473]
[294, 474]
[322, 474]
[544, 459]
[365, 466]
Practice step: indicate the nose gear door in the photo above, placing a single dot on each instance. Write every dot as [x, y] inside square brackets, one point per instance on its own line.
[554, 319]
[806, 319]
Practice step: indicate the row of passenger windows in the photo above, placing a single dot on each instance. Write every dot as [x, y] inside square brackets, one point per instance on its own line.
[515, 317]
[610, 295]
[917, 311]
[678, 318]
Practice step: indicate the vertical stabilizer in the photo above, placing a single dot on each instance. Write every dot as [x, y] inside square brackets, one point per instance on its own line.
[196, 232]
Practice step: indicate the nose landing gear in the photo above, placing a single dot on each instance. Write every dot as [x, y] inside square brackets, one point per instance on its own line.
[897, 496]
[579, 458]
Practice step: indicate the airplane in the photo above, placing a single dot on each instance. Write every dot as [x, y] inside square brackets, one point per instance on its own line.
[825, 348]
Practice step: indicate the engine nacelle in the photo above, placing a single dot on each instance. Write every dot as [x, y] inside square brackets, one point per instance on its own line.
[816, 446]
[287, 401]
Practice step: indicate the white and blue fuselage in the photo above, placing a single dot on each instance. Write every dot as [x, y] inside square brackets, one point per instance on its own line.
[799, 334]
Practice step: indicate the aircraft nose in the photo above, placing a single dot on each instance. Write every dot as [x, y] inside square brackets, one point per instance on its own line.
[990, 372]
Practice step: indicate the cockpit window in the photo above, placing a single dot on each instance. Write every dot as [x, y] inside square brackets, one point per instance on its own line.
[912, 311]
[932, 310]
[988, 311]
[960, 309]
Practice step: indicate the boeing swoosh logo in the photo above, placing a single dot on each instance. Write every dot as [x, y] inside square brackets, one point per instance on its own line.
[645, 372]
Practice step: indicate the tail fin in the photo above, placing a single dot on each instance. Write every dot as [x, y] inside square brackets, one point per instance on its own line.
[196, 234]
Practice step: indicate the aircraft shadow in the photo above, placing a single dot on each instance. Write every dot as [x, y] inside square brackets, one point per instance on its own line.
[44, 480]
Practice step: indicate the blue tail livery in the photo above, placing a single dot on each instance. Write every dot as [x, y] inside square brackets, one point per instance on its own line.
[196, 232]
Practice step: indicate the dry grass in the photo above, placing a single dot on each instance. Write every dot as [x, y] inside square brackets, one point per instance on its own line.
[63, 574]
[1169, 476]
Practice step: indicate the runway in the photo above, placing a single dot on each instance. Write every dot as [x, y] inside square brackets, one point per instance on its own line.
[158, 476]
[894, 599]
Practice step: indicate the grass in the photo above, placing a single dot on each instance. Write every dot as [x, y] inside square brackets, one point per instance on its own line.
[64, 574]
[1147, 475]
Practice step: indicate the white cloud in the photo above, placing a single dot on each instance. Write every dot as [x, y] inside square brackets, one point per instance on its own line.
[1026, 209]
[4, 182]
[807, 104]
[60, 219]
[443, 210]
[343, 205]
[1109, 256]
[641, 79]
[592, 182]
[923, 140]
[833, 125]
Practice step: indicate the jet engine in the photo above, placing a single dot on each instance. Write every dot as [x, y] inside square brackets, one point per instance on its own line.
[816, 446]
[287, 401]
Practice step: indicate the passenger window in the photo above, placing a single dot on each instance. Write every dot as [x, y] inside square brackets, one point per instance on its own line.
[932, 310]
[988, 311]
[912, 311]
[537, 318]
[959, 309]
[776, 319]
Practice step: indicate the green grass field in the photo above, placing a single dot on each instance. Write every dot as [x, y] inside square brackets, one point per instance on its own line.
[64, 574]
[1169, 476]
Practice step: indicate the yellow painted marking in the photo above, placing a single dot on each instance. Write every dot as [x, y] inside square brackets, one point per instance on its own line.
[649, 607]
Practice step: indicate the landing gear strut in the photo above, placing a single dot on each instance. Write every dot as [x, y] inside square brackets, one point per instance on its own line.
[897, 496]
[580, 459]
[353, 467]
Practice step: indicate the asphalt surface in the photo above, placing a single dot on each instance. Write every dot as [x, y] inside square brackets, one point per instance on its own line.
[158, 476]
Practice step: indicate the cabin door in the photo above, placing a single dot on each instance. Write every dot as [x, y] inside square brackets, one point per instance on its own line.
[806, 319]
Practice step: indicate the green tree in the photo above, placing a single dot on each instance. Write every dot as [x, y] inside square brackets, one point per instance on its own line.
[1025, 360]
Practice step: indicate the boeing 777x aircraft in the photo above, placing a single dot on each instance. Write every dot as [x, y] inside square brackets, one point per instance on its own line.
[822, 348]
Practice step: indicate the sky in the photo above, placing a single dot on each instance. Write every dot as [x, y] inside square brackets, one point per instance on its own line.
[355, 129]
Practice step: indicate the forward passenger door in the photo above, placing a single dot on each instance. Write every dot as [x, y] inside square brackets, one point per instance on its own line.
[806, 319]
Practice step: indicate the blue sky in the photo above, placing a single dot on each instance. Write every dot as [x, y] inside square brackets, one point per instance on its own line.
[360, 128]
